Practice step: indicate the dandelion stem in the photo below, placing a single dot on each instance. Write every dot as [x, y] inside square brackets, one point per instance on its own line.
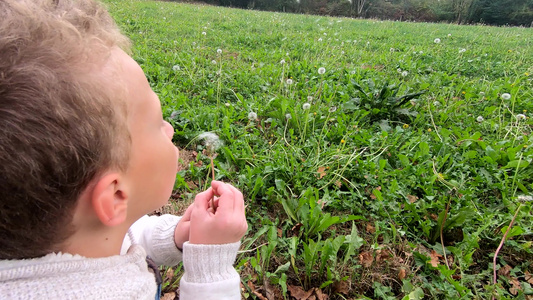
[213, 174]
[495, 277]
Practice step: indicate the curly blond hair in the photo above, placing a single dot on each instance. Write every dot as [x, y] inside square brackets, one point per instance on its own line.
[61, 125]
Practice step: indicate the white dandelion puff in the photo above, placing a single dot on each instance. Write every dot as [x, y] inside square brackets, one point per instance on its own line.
[252, 116]
[282, 61]
[219, 51]
[332, 109]
[480, 119]
[462, 50]
[289, 81]
[214, 62]
[306, 106]
[204, 33]
[320, 39]
[228, 104]
[436, 41]
[321, 70]
[288, 116]
[525, 198]
[211, 141]
[309, 98]
[176, 68]
[520, 117]
[506, 96]
[405, 73]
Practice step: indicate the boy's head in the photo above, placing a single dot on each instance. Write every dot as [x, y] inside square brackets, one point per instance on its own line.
[61, 124]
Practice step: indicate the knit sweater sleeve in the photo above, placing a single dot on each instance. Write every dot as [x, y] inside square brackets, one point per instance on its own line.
[156, 235]
[209, 272]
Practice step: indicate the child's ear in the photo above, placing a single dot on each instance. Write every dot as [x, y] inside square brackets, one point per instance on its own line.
[109, 200]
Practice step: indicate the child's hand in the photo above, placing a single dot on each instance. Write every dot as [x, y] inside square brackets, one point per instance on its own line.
[226, 224]
[181, 233]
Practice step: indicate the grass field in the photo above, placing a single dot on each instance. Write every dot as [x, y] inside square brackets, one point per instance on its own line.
[379, 160]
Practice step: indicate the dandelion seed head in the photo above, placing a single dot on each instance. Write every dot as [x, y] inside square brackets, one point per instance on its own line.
[320, 39]
[174, 115]
[405, 73]
[321, 70]
[436, 41]
[525, 198]
[176, 68]
[282, 61]
[480, 119]
[506, 96]
[219, 51]
[204, 33]
[288, 116]
[449, 34]
[289, 81]
[462, 50]
[214, 62]
[520, 117]
[306, 106]
[211, 141]
[309, 98]
[252, 116]
[332, 109]
[228, 104]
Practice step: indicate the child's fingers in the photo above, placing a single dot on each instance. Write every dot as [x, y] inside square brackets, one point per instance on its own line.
[202, 200]
[226, 196]
[187, 215]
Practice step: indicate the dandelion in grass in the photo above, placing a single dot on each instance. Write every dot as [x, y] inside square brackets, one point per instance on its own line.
[525, 198]
[252, 116]
[228, 104]
[405, 73]
[219, 51]
[449, 34]
[306, 106]
[436, 41]
[321, 70]
[520, 117]
[462, 50]
[212, 143]
[288, 116]
[214, 62]
[332, 109]
[204, 33]
[506, 96]
[282, 62]
[176, 68]
[309, 98]
[320, 39]
[480, 119]
[405, 126]
[289, 81]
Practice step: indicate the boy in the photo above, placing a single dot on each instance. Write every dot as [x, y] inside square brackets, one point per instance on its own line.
[84, 156]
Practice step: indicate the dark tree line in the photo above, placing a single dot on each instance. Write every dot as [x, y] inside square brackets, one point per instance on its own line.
[492, 12]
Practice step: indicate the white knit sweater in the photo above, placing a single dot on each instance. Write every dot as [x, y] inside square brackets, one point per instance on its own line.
[209, 272]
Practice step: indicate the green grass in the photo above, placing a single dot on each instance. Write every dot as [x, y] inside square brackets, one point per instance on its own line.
[387, 186]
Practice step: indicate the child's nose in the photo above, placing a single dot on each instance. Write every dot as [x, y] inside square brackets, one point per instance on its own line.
[169, 130]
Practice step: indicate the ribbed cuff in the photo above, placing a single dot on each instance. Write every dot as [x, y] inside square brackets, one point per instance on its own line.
[209, 263]
[163, 243]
